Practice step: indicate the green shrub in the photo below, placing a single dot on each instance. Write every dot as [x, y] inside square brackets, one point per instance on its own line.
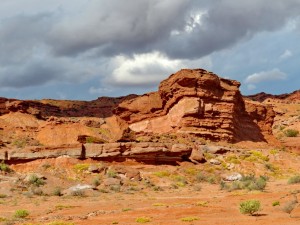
[96, 182]
[35, 180]
[3, 195]
[143, 220]
[256, 156]
[189, 219]
[162, 174]
[276, 203]
[21, 213]
[294, 179]
[57, 191]
[249, 207]
[291, 133]
[247, 182]
[4, 167]
[81, 167]
[60, 223]
[111, 173]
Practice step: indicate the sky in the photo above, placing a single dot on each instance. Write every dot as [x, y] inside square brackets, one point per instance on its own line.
[83, 49]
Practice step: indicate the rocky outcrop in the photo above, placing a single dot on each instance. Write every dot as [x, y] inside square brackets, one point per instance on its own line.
[199, 103]
[189, 106]
[145, 152]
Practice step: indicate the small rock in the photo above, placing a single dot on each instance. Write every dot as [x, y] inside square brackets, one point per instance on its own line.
[94, 168]
[213, 149]
[214, 162]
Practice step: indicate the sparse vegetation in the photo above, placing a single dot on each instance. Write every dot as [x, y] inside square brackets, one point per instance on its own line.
[256, 156]
[247, 182]
[4, 167]
[289, 206]
[57, 191]
[60, 223]
[3, 195]
[21, 213]
[291, 133]
[78, 193]
[35, 180]
[276, 203]
[162, 174]
[189, 219]
[111, 173]
[81, 167]
[249, 207]
[294, 179]
[143, 220]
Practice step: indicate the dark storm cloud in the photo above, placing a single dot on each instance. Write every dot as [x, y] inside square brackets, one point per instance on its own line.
[115, 27]
[74, 40]
[229, 21]
[31, 75]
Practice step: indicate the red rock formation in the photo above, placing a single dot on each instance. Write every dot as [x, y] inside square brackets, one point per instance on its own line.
[188, 103]
[200, 103]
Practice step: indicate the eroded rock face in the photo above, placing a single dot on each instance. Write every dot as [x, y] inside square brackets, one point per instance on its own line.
[200, 103]
[189, 104]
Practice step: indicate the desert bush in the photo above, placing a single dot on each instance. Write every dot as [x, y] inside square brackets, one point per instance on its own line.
[81, 167]
[256, 156]
[249, 207]
[115, 188]
[289, 206]
[20, 143]
[276, 203]
[143, 220]
[162, 174]
[37, 191]
[35, 180]
[96, 182]
[21, 213]
[3, 195]
[247, 182]
[294, 179]
[291, 133]
[57, 191]
[60, 223]
[4, 167]
[189, 219]
[78, 193]
[111, 173]
[200, 177]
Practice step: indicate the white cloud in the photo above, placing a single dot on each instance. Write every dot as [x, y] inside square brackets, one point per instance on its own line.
[150, 68]
[286, 54]
[270, 75]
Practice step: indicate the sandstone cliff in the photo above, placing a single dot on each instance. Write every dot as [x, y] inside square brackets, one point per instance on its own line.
[189, 106]
[199, 103]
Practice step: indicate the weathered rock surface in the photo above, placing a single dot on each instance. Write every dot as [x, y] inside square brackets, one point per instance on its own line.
[189, 105]
[146, 152]
[200, 103]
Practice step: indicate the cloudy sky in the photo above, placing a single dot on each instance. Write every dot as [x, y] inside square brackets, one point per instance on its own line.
[82, 49]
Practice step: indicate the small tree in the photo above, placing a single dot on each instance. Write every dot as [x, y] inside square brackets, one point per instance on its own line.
[249, 207]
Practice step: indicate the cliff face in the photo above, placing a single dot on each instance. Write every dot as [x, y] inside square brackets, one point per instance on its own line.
[199, 103]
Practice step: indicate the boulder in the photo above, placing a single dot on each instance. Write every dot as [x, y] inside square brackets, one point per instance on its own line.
[232, 177]
[197, 156]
